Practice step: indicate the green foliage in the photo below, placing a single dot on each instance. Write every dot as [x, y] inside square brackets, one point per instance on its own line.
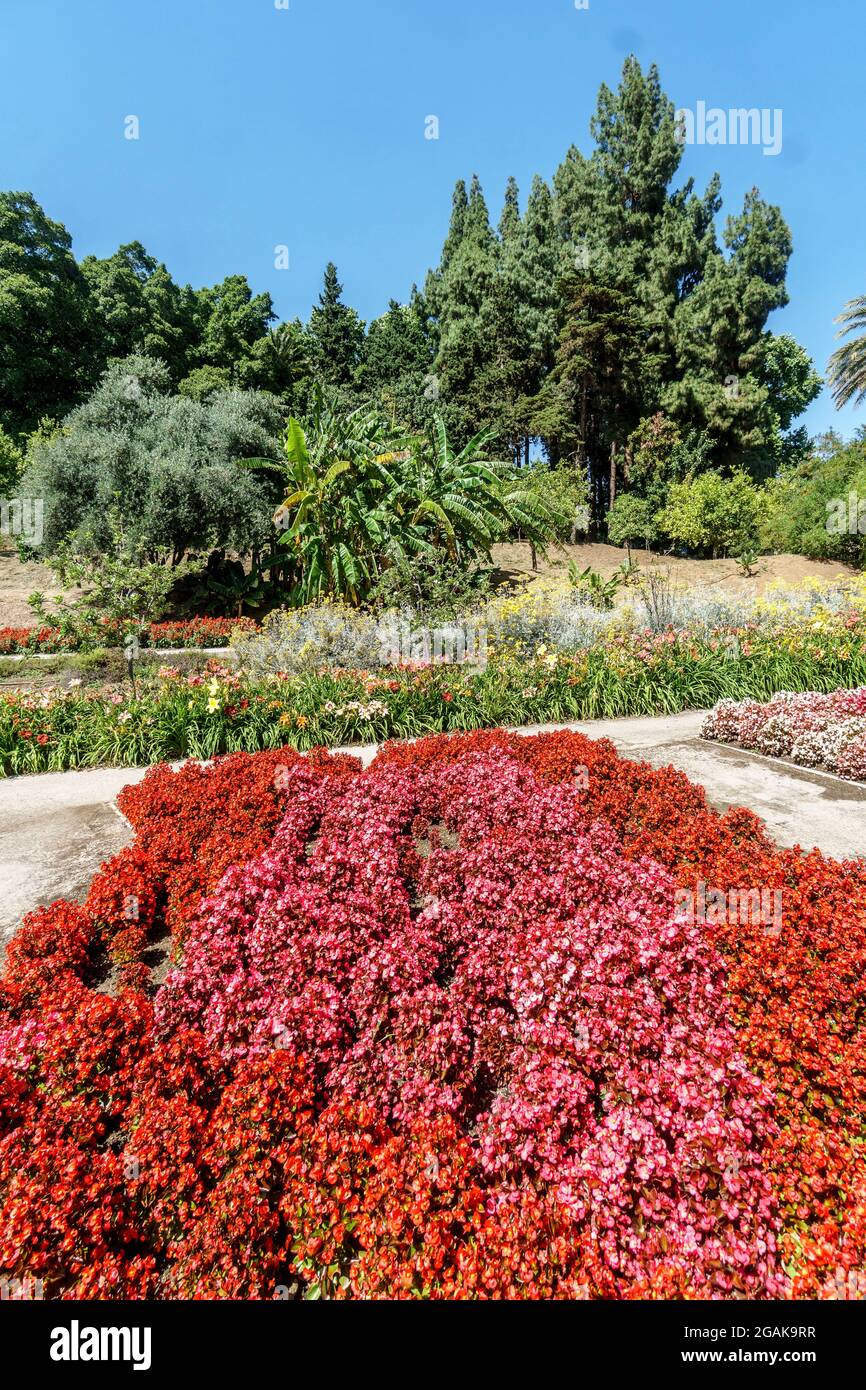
[432, 586]
[139, 308]
[818, 509]
[11, 464]
[171, 462]
[202, 382]
[397, 364]
[61, 324]
[632, 521]
[224, 587]
[791, 384]
[595, 384]
[336, 514]
[462, 298]
[597, 591]
[119, 588]
[47, 342]
[563, 491]
[713, 514]
[612, 301]
[847, 369]
[462, 502]
[282, 363]
[653, 452]
[317, 708]
[231, 321]
[336, 334]
[360, 499]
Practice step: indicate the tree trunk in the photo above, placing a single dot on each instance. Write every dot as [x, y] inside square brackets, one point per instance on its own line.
[612, 474]
[534, 553]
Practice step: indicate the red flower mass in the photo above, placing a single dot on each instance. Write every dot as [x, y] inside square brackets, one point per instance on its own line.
[436, 1029]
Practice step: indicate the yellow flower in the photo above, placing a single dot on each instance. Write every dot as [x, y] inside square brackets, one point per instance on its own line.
[212, 705]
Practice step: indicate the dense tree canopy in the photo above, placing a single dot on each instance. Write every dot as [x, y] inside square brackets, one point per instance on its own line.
[613, 304]
[169, 462]
[47, 338]
[624, 302]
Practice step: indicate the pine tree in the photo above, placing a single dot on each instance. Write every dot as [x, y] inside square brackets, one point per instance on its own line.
[534, 274]
[336, 333]
[398, 360]
[591, 400]
[526, 309]
[465, 306]
[456, 229]
[635, 158]
[510, 221]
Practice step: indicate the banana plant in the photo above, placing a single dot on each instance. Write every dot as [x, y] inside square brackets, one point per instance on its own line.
[360, 497]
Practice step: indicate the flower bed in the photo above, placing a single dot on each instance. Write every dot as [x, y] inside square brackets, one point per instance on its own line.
[189, 633]
[814, 730]
[224, 711]
[438, 1030]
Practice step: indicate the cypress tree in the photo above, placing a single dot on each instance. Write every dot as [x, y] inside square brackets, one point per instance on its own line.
[336, 333]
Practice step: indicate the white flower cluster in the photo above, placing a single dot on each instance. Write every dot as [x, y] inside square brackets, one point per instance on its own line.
[813, 730]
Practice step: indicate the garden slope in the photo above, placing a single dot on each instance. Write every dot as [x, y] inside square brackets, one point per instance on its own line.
[18, 581]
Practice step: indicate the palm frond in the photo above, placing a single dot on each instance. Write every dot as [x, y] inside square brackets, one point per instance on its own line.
[846, 371]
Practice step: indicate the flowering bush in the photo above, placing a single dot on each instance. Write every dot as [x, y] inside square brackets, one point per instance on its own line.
[435, 1029]
[814, 730]
[628, 672]
[191, 632]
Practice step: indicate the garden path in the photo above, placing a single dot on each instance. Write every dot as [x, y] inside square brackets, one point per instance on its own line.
[56, 829]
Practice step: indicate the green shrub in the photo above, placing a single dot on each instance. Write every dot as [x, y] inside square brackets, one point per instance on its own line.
[117, 588]
[307, 640]
[565, 494]
[171, 463]
[432, 585]
[11, 464]
[360, 498]
[712, 514]
[631, 521]
[819, 508]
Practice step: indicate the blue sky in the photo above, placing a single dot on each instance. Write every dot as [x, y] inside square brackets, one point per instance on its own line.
[305, 127]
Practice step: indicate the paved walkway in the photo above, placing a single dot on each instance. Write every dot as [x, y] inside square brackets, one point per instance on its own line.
[56, 829]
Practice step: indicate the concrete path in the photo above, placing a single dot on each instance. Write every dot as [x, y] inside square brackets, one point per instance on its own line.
[798, 805]
[56, 829]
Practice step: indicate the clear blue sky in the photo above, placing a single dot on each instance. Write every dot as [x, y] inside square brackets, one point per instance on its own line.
[305, 127]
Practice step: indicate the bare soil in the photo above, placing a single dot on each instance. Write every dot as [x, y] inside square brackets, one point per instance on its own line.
[515, 563]
[18, 581]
